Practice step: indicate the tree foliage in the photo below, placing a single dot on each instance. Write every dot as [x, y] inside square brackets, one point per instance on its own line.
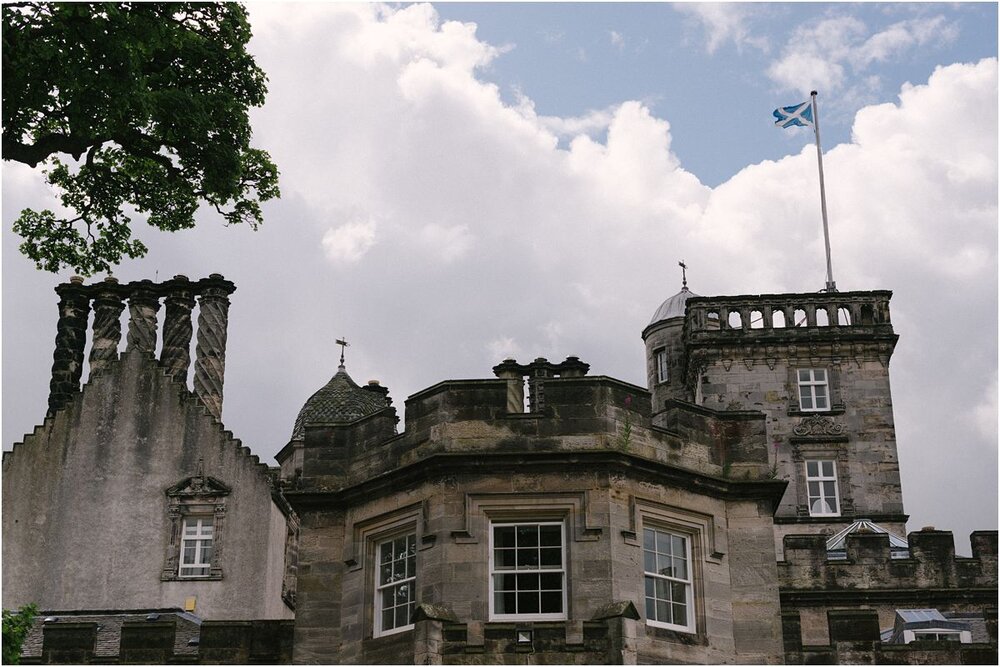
[16, 625]
[151, 102]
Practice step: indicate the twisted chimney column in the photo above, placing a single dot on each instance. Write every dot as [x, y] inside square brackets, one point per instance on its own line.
[107, 329]
[143, 305]
[210, 350]
[71, 338]
[177, 329]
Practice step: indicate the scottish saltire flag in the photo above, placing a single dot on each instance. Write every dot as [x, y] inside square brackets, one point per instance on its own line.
[799, 114]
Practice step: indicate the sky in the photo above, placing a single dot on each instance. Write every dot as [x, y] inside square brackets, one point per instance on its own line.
[463, 183]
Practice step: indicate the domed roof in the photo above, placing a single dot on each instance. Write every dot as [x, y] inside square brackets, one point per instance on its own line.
[339, 400]
[673, 307]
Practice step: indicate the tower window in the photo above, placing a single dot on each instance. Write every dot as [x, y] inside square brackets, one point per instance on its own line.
[662, 366]
[667, 568]
[821, 484]
[814, 390]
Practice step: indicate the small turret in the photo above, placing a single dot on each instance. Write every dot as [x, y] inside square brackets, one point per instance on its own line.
[664, 339]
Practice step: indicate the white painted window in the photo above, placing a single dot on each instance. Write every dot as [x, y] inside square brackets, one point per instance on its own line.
[821, 484]
[814, 390]
[527, 571]
[937, 635]
[395, 584]
[667, 567]
[196, 546]
[662, 366]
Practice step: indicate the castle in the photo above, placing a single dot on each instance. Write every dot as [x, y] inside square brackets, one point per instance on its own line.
[745, 507]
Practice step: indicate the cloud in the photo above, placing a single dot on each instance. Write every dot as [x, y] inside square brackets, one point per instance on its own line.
[349, 242]
[817, 56]
[472, 232]
[617, 40]
[724, 22]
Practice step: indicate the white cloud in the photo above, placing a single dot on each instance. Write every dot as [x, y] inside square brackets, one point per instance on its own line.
[474, 235]
[724, 22]
[817, 55]
[617, 39]
[349, 242]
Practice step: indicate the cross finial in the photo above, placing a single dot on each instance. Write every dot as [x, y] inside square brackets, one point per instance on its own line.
[342, 342]
[684, 277]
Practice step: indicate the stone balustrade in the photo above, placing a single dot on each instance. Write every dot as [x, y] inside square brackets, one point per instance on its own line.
[789, 313]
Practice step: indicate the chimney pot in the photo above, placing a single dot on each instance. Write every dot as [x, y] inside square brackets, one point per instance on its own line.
[76, 280]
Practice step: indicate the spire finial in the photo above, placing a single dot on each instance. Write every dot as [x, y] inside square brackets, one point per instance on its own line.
[684, 277]
[342, 342]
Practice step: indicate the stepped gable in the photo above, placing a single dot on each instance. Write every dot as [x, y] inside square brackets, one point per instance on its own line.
[340, 400]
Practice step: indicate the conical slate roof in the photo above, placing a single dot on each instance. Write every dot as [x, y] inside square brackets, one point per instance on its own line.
[339, 400]
[673, 307]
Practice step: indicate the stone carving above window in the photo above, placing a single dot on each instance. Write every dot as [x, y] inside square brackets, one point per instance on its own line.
[818, 425]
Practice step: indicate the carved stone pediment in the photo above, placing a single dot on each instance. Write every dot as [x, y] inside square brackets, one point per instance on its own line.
[818, 425]
[198, 486]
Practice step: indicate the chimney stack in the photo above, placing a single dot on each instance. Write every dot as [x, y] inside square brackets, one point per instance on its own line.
[210, 351]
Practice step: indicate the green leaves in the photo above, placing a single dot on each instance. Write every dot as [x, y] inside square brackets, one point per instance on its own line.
[152, 102]
[16, 626]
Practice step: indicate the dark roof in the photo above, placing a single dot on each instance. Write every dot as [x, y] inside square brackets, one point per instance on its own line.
[339, 400]
[109, 629]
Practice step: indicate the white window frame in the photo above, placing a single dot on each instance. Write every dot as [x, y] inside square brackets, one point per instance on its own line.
[657, 575]
[407, 580]
[662, 365]
[822, 479]
[494, 572]
[808, 389]
[202, 552]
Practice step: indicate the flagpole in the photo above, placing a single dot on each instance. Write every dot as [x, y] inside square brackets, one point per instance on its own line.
[830, 285]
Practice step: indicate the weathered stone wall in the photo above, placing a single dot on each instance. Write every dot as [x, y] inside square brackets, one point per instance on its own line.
[85, 520]
[464, 461]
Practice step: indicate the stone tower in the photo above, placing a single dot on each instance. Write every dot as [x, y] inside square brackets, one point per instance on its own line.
[817, 365]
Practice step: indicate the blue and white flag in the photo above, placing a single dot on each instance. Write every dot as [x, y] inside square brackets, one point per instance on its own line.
[798, 114]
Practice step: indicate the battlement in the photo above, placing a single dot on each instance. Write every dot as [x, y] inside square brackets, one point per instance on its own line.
[157, 637]
[579, 415]
[787, 317]
[932, 563]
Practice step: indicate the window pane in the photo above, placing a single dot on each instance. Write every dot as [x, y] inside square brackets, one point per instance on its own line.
[411, 566]
[385, 553]
[665, 566]
[649, 562]
[662, 589]
[503, 536]
[527, 603]
[527, 558]
[680, 614]
[650, 588]
[819, 375]
[505, 582]
[803, 376]
[402, 616]
[680, 568]
[527, 536]
[807, 401]
[813, 489]
[829, 490]
[551, 536]
[827, 468]
[551, 582]
[206, 552]
[648, 539]
[678, 592]
[677, 543]
[663, 611]
[662, 542]
[387, 619]
[552, 557]
[650, 608]
[812, 468]
[504, 559]
[552, 602]
[527, 582]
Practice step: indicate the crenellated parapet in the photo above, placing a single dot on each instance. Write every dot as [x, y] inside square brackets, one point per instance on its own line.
[143, 298]
[869, 566]
[593, 418]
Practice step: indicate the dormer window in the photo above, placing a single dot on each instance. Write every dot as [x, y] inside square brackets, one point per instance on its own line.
[814, 390]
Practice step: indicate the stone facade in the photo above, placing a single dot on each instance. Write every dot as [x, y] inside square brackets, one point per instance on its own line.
[585, 521]
[95, 499]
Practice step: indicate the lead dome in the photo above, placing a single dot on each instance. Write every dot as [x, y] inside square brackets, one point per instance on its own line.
[339, 400]
[673, 307]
